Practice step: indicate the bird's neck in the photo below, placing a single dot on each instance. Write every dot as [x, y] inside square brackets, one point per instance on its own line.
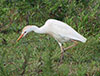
[38, 30]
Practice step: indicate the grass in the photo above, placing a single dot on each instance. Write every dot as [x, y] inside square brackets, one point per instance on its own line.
[39, 55]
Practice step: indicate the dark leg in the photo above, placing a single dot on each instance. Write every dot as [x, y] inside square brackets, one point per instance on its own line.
[63, 49]
[75, 43]
[62, 52]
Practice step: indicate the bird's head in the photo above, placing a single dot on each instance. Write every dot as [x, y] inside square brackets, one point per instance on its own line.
[25, 30]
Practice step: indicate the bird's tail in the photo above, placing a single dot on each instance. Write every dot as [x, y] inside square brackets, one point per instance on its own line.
[82, 39]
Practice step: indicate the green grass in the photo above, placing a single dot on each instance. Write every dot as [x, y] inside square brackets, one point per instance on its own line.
[39, 55]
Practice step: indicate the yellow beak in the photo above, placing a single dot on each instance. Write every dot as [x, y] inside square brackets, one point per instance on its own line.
[20, 37]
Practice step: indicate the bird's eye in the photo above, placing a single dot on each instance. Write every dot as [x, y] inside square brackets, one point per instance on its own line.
[25, 32]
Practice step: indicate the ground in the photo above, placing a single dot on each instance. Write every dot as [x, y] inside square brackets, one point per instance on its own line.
[38, 55]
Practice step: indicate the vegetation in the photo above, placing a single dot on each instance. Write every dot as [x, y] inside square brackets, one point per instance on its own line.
[38, 55]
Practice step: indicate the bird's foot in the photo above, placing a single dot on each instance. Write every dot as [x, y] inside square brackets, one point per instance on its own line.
[60, 61]
[61, 58]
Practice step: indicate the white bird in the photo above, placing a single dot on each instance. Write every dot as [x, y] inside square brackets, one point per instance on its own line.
[60, 31]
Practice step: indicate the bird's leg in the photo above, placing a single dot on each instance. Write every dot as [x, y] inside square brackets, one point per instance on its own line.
[75, 43]
[62, 52]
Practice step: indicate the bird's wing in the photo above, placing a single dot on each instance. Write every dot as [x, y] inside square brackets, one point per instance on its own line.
[65, 30]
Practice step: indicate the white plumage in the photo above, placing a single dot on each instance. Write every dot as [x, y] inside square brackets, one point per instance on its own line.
[61, 31]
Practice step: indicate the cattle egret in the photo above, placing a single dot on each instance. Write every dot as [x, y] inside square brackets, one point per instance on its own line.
[60, 31]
